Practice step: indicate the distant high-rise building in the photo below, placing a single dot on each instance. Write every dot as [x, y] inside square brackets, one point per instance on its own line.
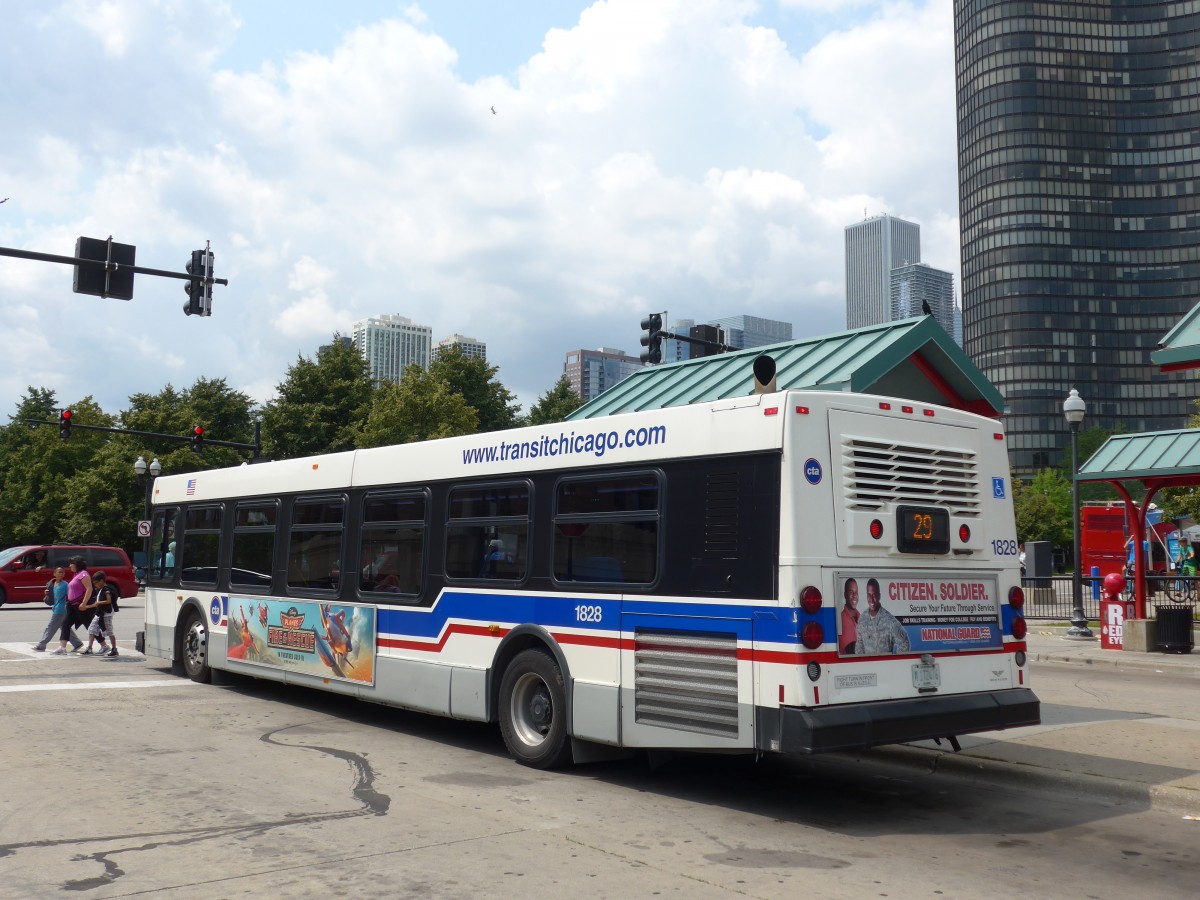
[917, 284]
[874, 247]
[592, 372]
[472, 348]
[390, 343]
[1078, 174]
[744, 332]
[677, 351]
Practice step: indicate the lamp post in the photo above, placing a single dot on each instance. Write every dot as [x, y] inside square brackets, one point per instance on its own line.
[140, 468]
[1075, 409]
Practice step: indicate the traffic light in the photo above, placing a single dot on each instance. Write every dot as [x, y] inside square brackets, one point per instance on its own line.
[652, 339]
[710, 335]
[64, 423]
[199, 286]
[197, 438]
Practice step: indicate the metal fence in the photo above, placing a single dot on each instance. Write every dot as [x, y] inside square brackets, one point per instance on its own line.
[1051, 598]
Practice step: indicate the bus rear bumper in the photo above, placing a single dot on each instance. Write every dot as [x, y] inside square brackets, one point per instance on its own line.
[793, 729]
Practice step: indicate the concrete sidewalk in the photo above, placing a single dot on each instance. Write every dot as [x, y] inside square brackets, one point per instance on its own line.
[1132, 759]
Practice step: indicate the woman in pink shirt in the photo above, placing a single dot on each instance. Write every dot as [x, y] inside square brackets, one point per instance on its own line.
[78, 591]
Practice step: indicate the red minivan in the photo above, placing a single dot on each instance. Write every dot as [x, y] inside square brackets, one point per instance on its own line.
[25, 570]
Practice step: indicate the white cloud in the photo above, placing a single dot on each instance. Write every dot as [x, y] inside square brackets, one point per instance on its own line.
[660, 153]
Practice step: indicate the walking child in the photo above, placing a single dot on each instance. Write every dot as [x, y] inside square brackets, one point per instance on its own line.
[103, 604]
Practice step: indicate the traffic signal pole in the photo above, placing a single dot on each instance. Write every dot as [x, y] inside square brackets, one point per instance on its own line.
[100, 264]
[256, 447]
[115, 261]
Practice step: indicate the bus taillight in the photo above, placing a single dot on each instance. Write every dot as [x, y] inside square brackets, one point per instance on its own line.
[1016, 598]
[812, 635]
[1019, 628]
[964, 533]
[810, 600]
[876, 529]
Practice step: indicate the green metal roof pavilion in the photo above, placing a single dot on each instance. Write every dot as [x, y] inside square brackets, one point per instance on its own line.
[911, 359]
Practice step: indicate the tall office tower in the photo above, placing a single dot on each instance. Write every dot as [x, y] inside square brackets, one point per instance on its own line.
[389, 343]
[592, 372]
[874, 247]
[472, 348]
[744, 332]
[1079, 203]
[918, 283]
[677, 351]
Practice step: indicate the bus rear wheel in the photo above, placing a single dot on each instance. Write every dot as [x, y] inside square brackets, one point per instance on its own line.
[533, 711]
[194, 649]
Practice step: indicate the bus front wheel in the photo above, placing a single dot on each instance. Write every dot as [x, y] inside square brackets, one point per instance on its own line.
[194, 649]
[533, 711]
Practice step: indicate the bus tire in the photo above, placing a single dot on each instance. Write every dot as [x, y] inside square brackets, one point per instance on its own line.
[533, 711]
[193, 648]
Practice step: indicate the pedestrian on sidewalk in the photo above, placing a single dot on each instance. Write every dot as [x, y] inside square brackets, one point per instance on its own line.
[56, 590]
[101, 606]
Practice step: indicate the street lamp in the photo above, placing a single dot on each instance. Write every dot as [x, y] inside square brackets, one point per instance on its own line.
[1075, 409]
[155, 469]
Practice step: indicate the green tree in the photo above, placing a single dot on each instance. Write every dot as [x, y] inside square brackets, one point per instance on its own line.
[476, 382]
[38, 468]
[1043, 508]
[421, 407]
[225, 415]
[321, 405]
[556, 404]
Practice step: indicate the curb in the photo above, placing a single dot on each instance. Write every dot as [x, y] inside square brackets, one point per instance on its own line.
[1150, 663]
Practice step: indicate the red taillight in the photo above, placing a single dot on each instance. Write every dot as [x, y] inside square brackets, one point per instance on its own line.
[1016, 598]
[812, 635]
[876, 529]
[885, 406]
[964, 533]
[810, 600]
[1019, 628]
[907, 409]
[771, 411]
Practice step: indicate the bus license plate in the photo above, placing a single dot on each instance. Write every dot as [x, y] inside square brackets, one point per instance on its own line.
[926, 675]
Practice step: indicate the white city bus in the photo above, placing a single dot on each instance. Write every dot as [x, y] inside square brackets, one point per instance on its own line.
[667, 579]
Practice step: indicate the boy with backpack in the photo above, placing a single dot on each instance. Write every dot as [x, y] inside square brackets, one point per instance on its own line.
[103, 604]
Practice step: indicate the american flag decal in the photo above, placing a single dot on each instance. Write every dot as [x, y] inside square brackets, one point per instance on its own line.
[191, 489]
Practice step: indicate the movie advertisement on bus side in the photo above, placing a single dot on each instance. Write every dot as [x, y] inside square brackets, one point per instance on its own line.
[882, 615]
[324, 639]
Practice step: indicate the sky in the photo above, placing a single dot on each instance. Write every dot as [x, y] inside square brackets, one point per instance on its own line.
[699, 157]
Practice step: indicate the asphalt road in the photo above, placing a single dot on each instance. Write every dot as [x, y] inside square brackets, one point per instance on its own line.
[117, 779]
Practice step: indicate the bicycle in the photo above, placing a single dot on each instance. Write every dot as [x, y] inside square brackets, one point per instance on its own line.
[1181, 588]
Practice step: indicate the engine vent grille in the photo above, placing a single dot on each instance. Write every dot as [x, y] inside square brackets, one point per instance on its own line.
[686, 681]
[879, 472]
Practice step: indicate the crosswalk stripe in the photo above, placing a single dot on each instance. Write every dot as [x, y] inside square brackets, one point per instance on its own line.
[92, 685]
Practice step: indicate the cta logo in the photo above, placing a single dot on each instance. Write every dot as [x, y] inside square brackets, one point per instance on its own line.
[812, 471]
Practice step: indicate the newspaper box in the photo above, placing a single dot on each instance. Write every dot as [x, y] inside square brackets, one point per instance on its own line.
[1112, 613]
[1112, 624]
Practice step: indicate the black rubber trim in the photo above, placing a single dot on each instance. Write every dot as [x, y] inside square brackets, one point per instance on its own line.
[793, 729]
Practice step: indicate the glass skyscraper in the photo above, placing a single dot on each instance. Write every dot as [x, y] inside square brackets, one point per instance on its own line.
[1079, 165]
[874, 247]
